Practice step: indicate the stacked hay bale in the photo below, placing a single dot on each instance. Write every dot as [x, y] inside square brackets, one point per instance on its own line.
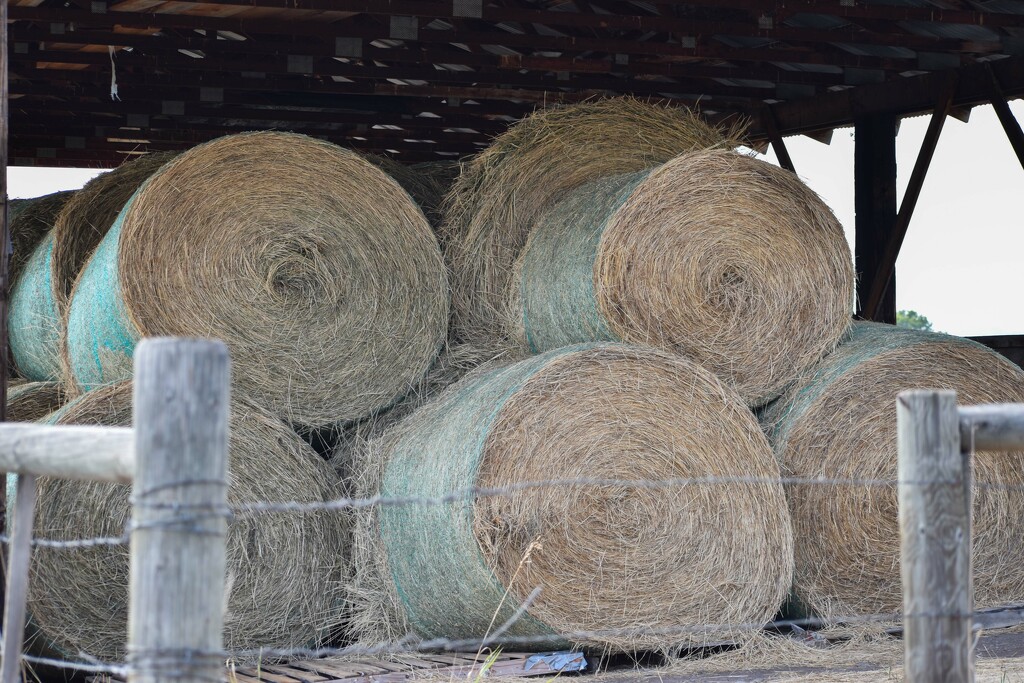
[33, 401]
[502, 192]
[73, 227]
[33, 330]
[30, 221]
[712, 254]
[838, 423]
[623, 222]
[328, 286]
[317, 270]
[427, 183]
[638, 564]
[284, 571]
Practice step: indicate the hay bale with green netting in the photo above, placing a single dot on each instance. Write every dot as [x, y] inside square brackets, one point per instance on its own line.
[615, 557]
[315, 268]
[35, 326]
[503, 191]
[839, 422]
[283, 587]
[716, 255]
[30, 221]
[87, 216]
[32, 401]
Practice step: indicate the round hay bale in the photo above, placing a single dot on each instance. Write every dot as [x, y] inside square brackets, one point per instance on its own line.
[284, 571]
[35, 325]
[32, 401]
[87, 216]
[502, 191]
[317, 270]
[839, 422]
[613, 557]
[427, 183]
[719, 256]
[30, 220]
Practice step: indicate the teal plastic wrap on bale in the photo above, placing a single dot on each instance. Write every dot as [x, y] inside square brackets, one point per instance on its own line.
[472, 594]
[593, 559]
[35, 324]
[837, 425]
[101, 336]
[556, 271]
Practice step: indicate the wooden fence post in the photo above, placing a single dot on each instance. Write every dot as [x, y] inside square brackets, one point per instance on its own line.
[19, 556]
[180, 511]
[935, 539]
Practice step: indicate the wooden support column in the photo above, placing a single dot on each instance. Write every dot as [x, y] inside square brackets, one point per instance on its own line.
[778, 144]
[875, 204]
[1010, 124]
[5, 284]
[886, 268]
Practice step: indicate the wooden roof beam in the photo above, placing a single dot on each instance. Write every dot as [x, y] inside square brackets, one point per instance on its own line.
[703, 46]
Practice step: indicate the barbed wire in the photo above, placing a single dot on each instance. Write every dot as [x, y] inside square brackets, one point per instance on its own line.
[245, 510]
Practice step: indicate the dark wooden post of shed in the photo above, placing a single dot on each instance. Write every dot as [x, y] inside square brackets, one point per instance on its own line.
[875, 204]
[5, 255]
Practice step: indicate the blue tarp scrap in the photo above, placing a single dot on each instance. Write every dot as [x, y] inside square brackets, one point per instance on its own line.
[558, 661]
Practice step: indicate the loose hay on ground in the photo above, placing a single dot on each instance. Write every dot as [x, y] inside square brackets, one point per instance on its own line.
[283, 583]
[719, 256]
[606, 557]
[502, 191]
[840, 422]
[86, 217]
[317, 270]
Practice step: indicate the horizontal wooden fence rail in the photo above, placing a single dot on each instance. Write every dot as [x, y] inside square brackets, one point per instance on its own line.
[992, 427]
[175, 457]
[936, 442]
[68, 452]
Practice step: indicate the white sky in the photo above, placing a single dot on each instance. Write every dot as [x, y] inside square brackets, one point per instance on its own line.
[963, 258]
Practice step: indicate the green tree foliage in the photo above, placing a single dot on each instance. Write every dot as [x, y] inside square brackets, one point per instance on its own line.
[913, 320]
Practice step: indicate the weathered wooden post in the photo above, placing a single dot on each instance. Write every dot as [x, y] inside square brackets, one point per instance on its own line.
[180, 511]
[935, 539]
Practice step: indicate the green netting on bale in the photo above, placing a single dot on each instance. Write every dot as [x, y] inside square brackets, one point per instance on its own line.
[556, 271]
[442, 578]
[101, 336]
[836, 430]
[864, 341]
[35, 325]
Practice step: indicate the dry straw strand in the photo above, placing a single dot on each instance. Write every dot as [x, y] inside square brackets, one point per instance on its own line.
[839, 420]
[502, 191]
[318, 271]
[285, 572]
[86, 217]
[605, 557]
